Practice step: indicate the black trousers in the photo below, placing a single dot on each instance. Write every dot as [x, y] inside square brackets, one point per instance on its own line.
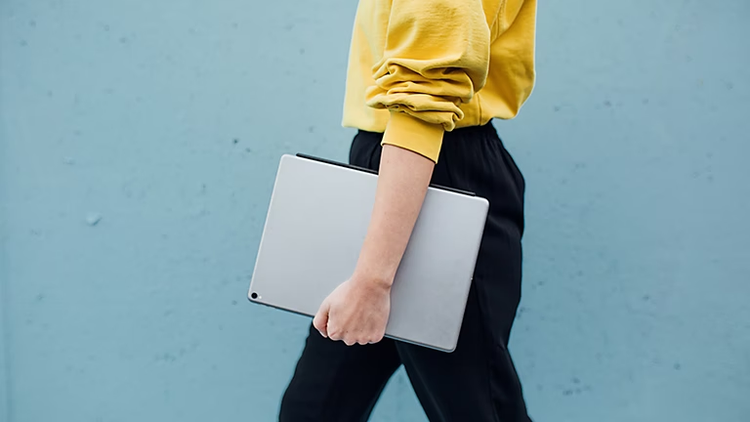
[477, 382]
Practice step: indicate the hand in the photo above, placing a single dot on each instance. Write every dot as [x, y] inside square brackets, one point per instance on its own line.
[356, 312]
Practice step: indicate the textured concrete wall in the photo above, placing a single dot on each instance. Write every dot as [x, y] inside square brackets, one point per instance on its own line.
[138, 145]
[4, 345]
[635, 146]
[4, 377]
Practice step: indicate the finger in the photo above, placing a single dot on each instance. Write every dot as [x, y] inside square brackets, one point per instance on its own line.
[334, 335]
[376, 339]
[321, 319]
[349, 342]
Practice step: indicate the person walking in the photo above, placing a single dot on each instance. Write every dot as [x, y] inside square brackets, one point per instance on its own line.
[425, 80]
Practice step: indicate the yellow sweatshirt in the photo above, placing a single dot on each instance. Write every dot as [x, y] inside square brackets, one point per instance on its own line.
[418, 68]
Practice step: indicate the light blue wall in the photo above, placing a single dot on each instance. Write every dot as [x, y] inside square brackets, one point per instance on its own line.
[4, 378]
[138, 142]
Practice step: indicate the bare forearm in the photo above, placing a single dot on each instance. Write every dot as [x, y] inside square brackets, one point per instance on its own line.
[402, 185]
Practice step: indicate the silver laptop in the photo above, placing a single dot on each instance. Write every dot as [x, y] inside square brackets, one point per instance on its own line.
[316, 223]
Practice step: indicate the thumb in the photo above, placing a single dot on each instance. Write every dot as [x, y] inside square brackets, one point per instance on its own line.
[321, 319]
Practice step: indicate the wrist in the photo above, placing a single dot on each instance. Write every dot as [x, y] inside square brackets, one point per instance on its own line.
[372, 278]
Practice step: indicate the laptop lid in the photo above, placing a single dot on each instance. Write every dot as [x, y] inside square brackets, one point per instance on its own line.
[316, 223]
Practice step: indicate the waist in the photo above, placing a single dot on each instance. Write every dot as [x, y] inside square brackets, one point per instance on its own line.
[462, 132]
[475, 131]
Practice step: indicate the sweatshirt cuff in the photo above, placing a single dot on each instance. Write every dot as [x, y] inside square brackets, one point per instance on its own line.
[408, 132]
